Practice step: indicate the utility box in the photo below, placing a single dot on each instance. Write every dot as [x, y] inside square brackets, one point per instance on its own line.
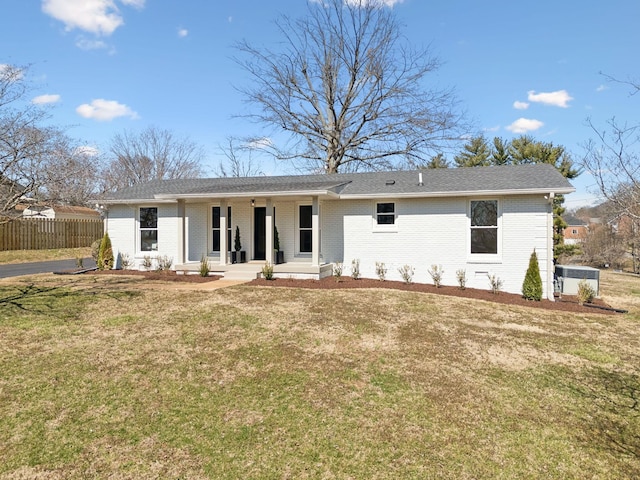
[567, 278]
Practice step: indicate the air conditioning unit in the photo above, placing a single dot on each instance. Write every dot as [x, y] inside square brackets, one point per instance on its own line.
[567, 278]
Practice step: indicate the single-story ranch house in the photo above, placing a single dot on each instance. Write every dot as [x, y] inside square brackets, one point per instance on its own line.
[483, 220]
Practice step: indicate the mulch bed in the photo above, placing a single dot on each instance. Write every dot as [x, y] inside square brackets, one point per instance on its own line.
[166, 275]
[567, 303]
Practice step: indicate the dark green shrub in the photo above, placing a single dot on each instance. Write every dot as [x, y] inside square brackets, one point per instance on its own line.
[237, 246]
[276, 239]
[105, 254]
[532, 285]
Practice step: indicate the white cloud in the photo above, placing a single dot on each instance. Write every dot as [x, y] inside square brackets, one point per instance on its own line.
[524, 125]
[45, 99]
[495, 128]
[559, 98]
[87, 151]
[105, 110]
[88, 44]
[183, 32]
[601, 88]
[100, 17]
[520, 105]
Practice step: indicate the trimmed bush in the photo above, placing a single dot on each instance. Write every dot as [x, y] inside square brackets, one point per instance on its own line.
[267, 271]
[105, 254]
[532, 285]
[586, 293]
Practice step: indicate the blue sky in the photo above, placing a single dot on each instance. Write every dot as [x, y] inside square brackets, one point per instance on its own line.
[105, 66]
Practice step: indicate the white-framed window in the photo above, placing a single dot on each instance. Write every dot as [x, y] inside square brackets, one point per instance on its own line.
[148, 229]
[484, 227]
[305, 228]
[215, 229]
[385, 213]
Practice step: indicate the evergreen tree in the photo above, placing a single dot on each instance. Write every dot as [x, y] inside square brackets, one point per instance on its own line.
[500, 154]
[476, 153]
[532, 285]
[105, 254]
[437, 161]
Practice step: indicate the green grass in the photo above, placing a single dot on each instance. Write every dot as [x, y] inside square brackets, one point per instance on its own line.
[24, 256]
[105, 377]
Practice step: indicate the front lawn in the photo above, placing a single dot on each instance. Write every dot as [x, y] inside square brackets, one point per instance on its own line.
[24, 256]
[105, 376]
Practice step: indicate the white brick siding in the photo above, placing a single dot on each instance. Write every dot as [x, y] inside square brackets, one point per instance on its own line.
[427, 231]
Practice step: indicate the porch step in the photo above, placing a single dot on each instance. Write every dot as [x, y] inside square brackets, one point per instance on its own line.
[243, 271]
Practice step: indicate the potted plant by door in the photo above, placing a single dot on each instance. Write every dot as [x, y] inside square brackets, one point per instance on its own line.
[276, 246]
[238, 256]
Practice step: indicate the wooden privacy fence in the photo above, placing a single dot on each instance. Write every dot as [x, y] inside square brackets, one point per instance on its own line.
[44, 233]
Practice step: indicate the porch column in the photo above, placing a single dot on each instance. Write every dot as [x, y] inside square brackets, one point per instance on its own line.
[223, 232]
[181, 233]
[315, 232]
[269, 232]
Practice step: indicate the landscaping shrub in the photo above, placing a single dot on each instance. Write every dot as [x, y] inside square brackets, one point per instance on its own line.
[461, 276]
[126, 261]
[147, 262]
[495, 283]
[586, 293]
[436, 273]
[355, 268]
[164, 263]
[532, 285]
[381, 271]
[267, 271]
[337, 271]
[406, 272]
[105, 254]
[204, 266]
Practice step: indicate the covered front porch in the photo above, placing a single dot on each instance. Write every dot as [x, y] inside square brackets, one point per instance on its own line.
[253, 269]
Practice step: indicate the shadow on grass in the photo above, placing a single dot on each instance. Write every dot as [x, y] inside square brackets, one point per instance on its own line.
[48, 300]
[613, 419]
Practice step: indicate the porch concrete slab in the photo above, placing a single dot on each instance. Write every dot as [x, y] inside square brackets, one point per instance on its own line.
[253, 269]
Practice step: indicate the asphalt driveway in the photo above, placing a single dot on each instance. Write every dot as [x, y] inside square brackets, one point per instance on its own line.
[18, 269]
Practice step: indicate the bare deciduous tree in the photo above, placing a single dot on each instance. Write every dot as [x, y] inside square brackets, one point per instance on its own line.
[153, 154]
[30, 152]
[348, 89]
[240, 161]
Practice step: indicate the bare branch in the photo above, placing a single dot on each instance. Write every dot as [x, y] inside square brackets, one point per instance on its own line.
[348, 91]
[153, 154]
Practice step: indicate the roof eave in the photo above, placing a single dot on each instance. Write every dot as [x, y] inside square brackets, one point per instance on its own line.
[458, 193]
[256, 194]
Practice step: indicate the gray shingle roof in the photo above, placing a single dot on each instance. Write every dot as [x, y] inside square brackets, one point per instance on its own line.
[435, 182]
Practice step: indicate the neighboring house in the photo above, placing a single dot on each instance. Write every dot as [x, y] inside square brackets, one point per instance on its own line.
[59, 212]
[483, 220]
[576, 230]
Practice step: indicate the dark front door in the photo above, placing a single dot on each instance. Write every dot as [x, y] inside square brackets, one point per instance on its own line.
[259, 233]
